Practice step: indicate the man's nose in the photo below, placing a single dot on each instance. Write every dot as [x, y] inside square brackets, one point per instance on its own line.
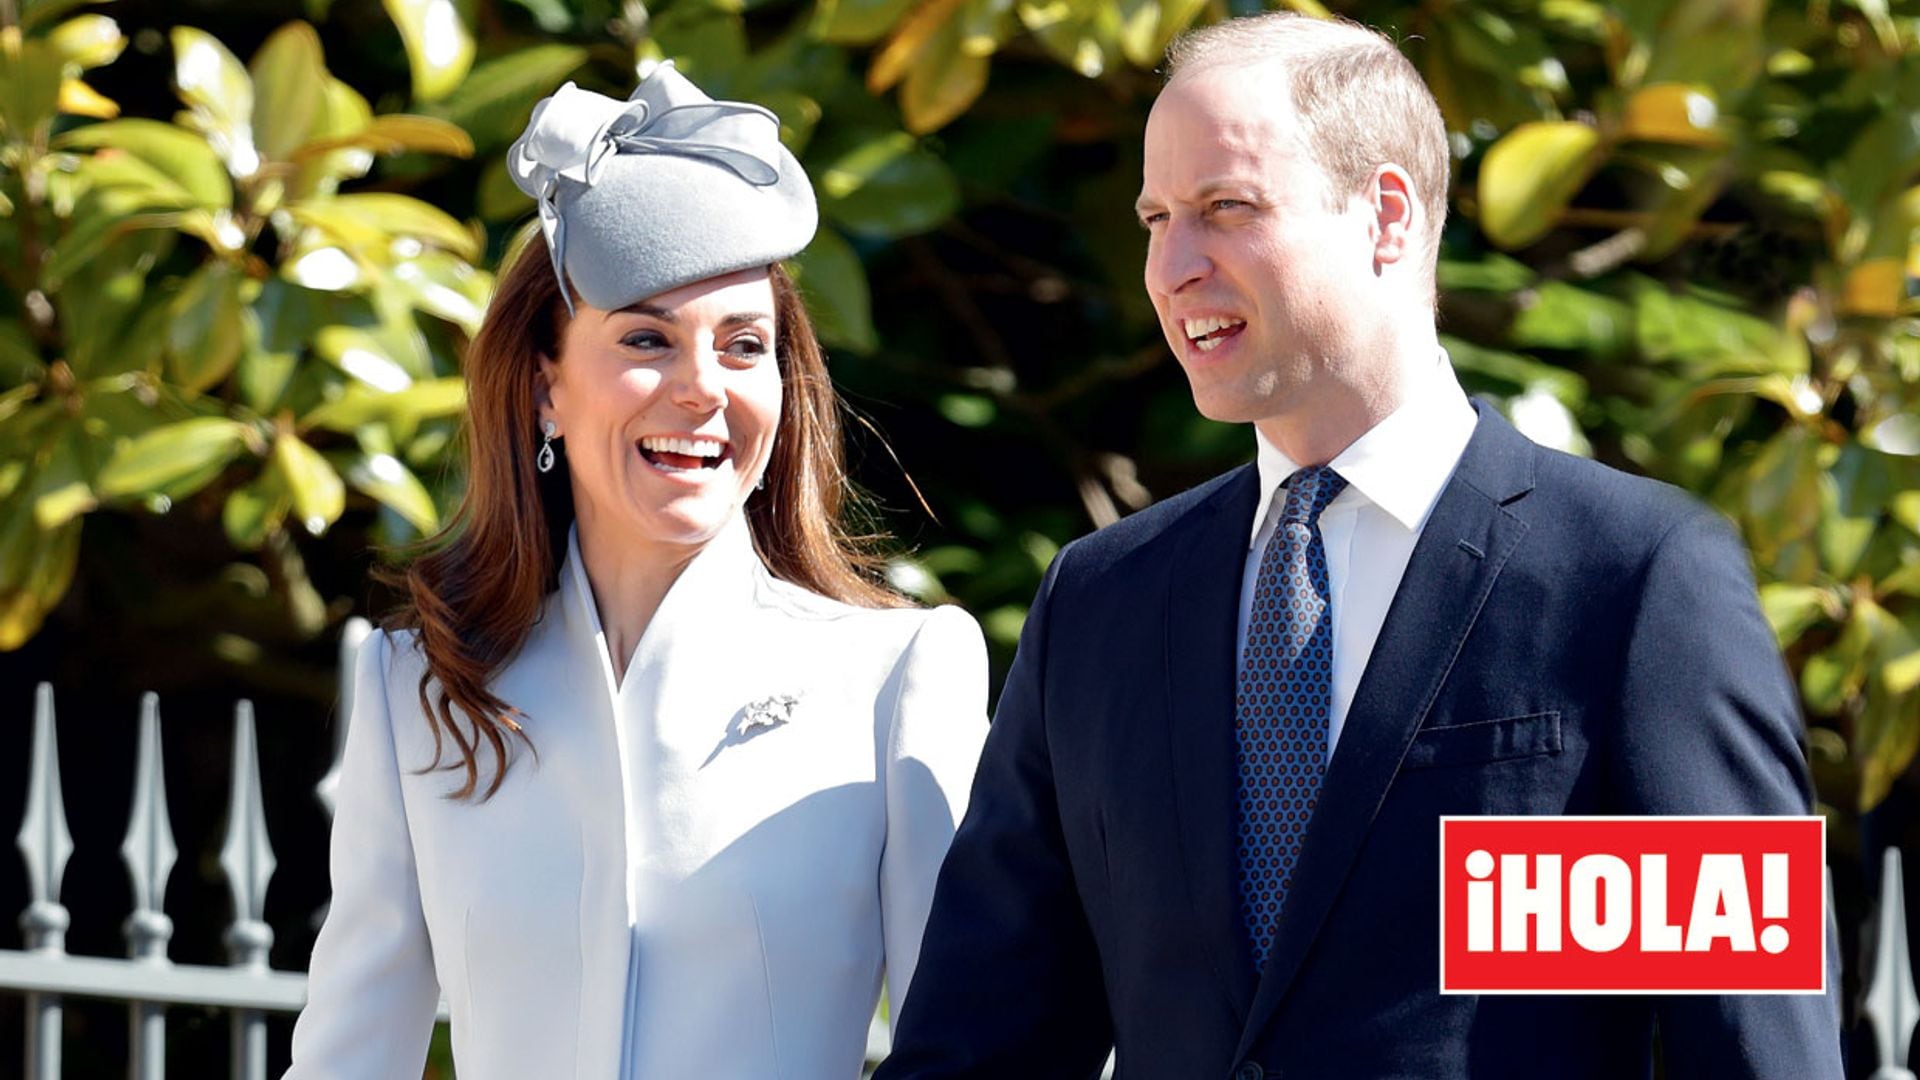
[1176, 258]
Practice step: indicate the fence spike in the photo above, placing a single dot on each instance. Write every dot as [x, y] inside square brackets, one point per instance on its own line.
[43, 838]
[149, 850]
[1891, 1001]
[355, 632]
[247, 853]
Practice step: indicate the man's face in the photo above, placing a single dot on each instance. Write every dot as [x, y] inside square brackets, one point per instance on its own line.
[1260, 287]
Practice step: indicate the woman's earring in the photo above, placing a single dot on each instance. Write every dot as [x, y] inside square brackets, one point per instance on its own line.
[760, 483]
[545, 461]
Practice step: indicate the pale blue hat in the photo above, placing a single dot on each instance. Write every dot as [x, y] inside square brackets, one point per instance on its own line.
[664, 189]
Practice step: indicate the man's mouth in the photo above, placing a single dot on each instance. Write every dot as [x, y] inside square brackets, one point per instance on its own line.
[1207, 334]
[675, 454]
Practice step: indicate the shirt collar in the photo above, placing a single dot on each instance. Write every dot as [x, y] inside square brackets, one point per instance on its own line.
[1401, 464]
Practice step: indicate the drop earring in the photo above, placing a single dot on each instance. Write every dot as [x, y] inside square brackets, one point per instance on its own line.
[544, 462]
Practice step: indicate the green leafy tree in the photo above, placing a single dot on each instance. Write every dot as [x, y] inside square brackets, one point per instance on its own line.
[1683, 242]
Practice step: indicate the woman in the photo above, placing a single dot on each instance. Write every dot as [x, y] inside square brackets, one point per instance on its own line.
[649, 780]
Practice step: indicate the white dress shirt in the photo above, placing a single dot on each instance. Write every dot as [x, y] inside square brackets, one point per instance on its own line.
[1394, 473]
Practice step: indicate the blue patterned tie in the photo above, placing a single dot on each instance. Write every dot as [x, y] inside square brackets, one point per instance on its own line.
[1284, 704]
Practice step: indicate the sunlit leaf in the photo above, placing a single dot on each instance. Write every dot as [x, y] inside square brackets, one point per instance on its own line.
[944, 80]
[36, 568]
[439, 46]
[383, 477]
[1792, 609]
[290, 82]
[493, 104]
[1874, 289]
[212, 81]
[181, 156]
[88, 41]
[175, 459]
[886, 185]
[1673, 113]
[315, 488]
[1530, 175]
[361, 404]
[909, 40]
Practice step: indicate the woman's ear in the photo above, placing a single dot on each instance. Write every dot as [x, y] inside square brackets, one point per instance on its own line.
[543, 394]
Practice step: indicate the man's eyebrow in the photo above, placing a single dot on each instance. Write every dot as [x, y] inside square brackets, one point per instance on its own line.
[1206, 191]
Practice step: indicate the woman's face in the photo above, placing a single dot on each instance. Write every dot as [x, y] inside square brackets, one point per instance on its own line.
[668, 408]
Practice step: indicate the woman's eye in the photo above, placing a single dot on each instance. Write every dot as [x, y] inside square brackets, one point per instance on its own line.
[644, 339]
[748, 345]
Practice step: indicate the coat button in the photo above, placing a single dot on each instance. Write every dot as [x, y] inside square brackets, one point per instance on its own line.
[1249, 1070]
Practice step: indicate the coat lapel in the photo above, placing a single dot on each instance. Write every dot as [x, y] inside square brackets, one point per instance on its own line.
[1460, 553]
[1202, 620]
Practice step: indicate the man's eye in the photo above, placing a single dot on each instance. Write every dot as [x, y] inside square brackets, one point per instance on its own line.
[1228, 204]
[1148, 221]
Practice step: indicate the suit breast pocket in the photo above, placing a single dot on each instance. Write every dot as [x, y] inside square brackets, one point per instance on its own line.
[1485, 741]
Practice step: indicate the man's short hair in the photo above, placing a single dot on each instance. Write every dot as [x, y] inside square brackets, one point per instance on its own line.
[1360, 102]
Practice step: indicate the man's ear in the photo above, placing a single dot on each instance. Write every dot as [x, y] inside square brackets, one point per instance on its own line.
[1396, 213]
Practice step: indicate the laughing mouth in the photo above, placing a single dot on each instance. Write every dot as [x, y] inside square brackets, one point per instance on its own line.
[1207, 334]
[674, 454]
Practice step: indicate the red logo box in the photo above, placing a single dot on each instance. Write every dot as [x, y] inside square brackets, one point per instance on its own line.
[1633, 905]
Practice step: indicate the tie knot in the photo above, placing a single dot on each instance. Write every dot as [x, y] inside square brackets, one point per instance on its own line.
[1309, 490]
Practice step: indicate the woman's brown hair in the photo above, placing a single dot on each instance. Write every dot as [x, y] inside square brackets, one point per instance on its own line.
[474, 590]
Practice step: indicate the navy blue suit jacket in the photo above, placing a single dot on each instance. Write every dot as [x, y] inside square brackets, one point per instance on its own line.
[1567, 639]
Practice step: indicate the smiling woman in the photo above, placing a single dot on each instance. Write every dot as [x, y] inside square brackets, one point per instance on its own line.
[730, 731]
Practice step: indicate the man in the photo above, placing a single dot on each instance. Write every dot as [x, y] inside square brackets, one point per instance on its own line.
[1204, 830]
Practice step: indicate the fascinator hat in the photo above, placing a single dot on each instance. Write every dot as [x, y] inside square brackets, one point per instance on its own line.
[667, 188]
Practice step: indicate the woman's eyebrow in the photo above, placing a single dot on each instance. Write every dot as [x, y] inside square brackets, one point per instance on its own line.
[740, 318]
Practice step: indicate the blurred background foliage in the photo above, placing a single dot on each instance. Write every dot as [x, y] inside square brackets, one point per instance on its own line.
[242, 243]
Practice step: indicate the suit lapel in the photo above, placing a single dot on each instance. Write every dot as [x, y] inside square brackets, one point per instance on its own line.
[1439, 598]
[1203, 610]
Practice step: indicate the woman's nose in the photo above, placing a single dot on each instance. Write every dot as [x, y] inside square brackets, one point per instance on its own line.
[700, 384]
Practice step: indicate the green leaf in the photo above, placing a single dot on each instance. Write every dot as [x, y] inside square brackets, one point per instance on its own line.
[390, 215]
[498, 198]
[1530, 175]
[220, 92]
[383, 477]
[856, 22]
[36, 568]
[255, 509]
[176, 153]
[445, 287]
[174, 459]
[317, 493]
[1557, 315]
[439, 46]
[360, 404]
[1792, 609]
[60, 491]
[20, 359]
[30, 79]
[838, 297]
[885, 185]
[88, 41]
[493, 105]
[208, 330]
[395, 134]
[946, 77]
[385, 358]
[290, 84]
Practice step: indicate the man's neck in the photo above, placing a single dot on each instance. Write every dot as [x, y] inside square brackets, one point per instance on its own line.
[1367, 391]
